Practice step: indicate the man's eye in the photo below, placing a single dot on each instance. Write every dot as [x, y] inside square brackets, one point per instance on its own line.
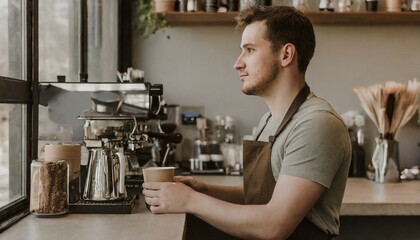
[250, 50]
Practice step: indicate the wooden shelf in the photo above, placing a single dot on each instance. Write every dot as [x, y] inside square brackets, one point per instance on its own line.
[201, 18]
[321, 18]
[373, 18]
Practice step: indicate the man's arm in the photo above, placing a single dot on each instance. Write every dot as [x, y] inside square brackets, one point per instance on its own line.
[233, 194]
[292, 199]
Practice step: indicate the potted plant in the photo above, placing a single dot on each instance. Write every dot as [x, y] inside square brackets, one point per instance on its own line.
[147, 20]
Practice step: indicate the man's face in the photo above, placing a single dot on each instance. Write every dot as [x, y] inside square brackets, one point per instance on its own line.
[258, 66]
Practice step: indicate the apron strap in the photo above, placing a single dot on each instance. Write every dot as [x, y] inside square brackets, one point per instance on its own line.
[262, 129]
[297, 102]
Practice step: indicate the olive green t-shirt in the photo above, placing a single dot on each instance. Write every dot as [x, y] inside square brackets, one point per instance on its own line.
[314, 145]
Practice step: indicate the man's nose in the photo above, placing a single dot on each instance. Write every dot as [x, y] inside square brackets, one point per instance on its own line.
[238, 64]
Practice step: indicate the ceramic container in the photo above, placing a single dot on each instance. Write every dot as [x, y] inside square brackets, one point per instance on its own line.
[162, 6]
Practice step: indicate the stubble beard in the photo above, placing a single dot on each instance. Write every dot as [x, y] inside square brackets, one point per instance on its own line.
[263, 79]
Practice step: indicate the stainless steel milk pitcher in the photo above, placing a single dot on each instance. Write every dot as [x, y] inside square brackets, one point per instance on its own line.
[105, 177]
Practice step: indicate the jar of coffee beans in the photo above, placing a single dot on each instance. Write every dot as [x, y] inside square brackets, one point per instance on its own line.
[49, 187]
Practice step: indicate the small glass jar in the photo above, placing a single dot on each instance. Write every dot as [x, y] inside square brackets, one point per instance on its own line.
[71, 153]
[49, 188]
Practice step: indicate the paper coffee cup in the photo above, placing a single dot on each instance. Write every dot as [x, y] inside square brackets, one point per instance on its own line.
[159, 174]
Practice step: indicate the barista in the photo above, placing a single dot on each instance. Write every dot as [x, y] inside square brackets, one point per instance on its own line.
[296, 169]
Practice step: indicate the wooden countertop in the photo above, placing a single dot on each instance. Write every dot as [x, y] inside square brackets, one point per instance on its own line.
[140, 224]
[367, 198]
[362, 198]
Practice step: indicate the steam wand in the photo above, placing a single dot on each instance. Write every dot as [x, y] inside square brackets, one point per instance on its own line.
[168, 148]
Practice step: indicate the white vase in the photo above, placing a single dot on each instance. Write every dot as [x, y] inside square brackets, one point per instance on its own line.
[385, 161]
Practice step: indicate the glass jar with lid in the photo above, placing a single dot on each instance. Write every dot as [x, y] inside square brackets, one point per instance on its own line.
[49, 187]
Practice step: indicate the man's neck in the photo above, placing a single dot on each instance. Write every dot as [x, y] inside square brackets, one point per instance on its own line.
[281, 95]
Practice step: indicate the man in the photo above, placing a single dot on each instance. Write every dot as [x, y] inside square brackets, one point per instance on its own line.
[295, 172]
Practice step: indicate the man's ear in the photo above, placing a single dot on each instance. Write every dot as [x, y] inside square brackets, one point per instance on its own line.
[287, 54]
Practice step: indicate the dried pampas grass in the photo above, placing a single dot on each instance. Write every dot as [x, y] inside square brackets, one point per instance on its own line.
[391, 105]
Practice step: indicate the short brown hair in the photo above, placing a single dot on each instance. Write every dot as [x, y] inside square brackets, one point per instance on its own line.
[284, 25]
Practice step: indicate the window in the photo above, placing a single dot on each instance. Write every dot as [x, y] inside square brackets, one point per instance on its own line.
[15, 110]
[11, 38]
[12, 153]
[79, 37]
[71, 37]
[58, 39]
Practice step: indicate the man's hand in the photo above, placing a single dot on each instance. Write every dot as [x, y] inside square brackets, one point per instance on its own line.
[167, 197]
[194, 183]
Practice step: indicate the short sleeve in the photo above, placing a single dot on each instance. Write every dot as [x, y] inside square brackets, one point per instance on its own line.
[314, 148]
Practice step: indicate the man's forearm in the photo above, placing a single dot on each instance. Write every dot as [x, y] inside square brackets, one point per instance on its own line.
[243, 221]
[233, 194]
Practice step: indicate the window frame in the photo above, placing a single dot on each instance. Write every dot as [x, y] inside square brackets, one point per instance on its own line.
[25, 91]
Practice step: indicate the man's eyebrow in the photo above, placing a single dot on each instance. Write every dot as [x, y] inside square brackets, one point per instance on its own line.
[247, 45]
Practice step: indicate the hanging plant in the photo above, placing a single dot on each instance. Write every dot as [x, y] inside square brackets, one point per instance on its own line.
[148, 22]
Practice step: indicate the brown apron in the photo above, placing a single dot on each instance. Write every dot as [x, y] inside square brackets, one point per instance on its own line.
[259, 181]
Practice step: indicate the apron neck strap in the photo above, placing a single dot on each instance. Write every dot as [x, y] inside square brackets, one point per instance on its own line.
[265, 124]
[297, 102]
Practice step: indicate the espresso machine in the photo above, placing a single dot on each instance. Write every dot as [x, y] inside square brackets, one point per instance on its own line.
[117, 120]
[167, 149]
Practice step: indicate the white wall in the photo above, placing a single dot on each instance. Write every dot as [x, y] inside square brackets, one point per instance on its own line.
[196, 68]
